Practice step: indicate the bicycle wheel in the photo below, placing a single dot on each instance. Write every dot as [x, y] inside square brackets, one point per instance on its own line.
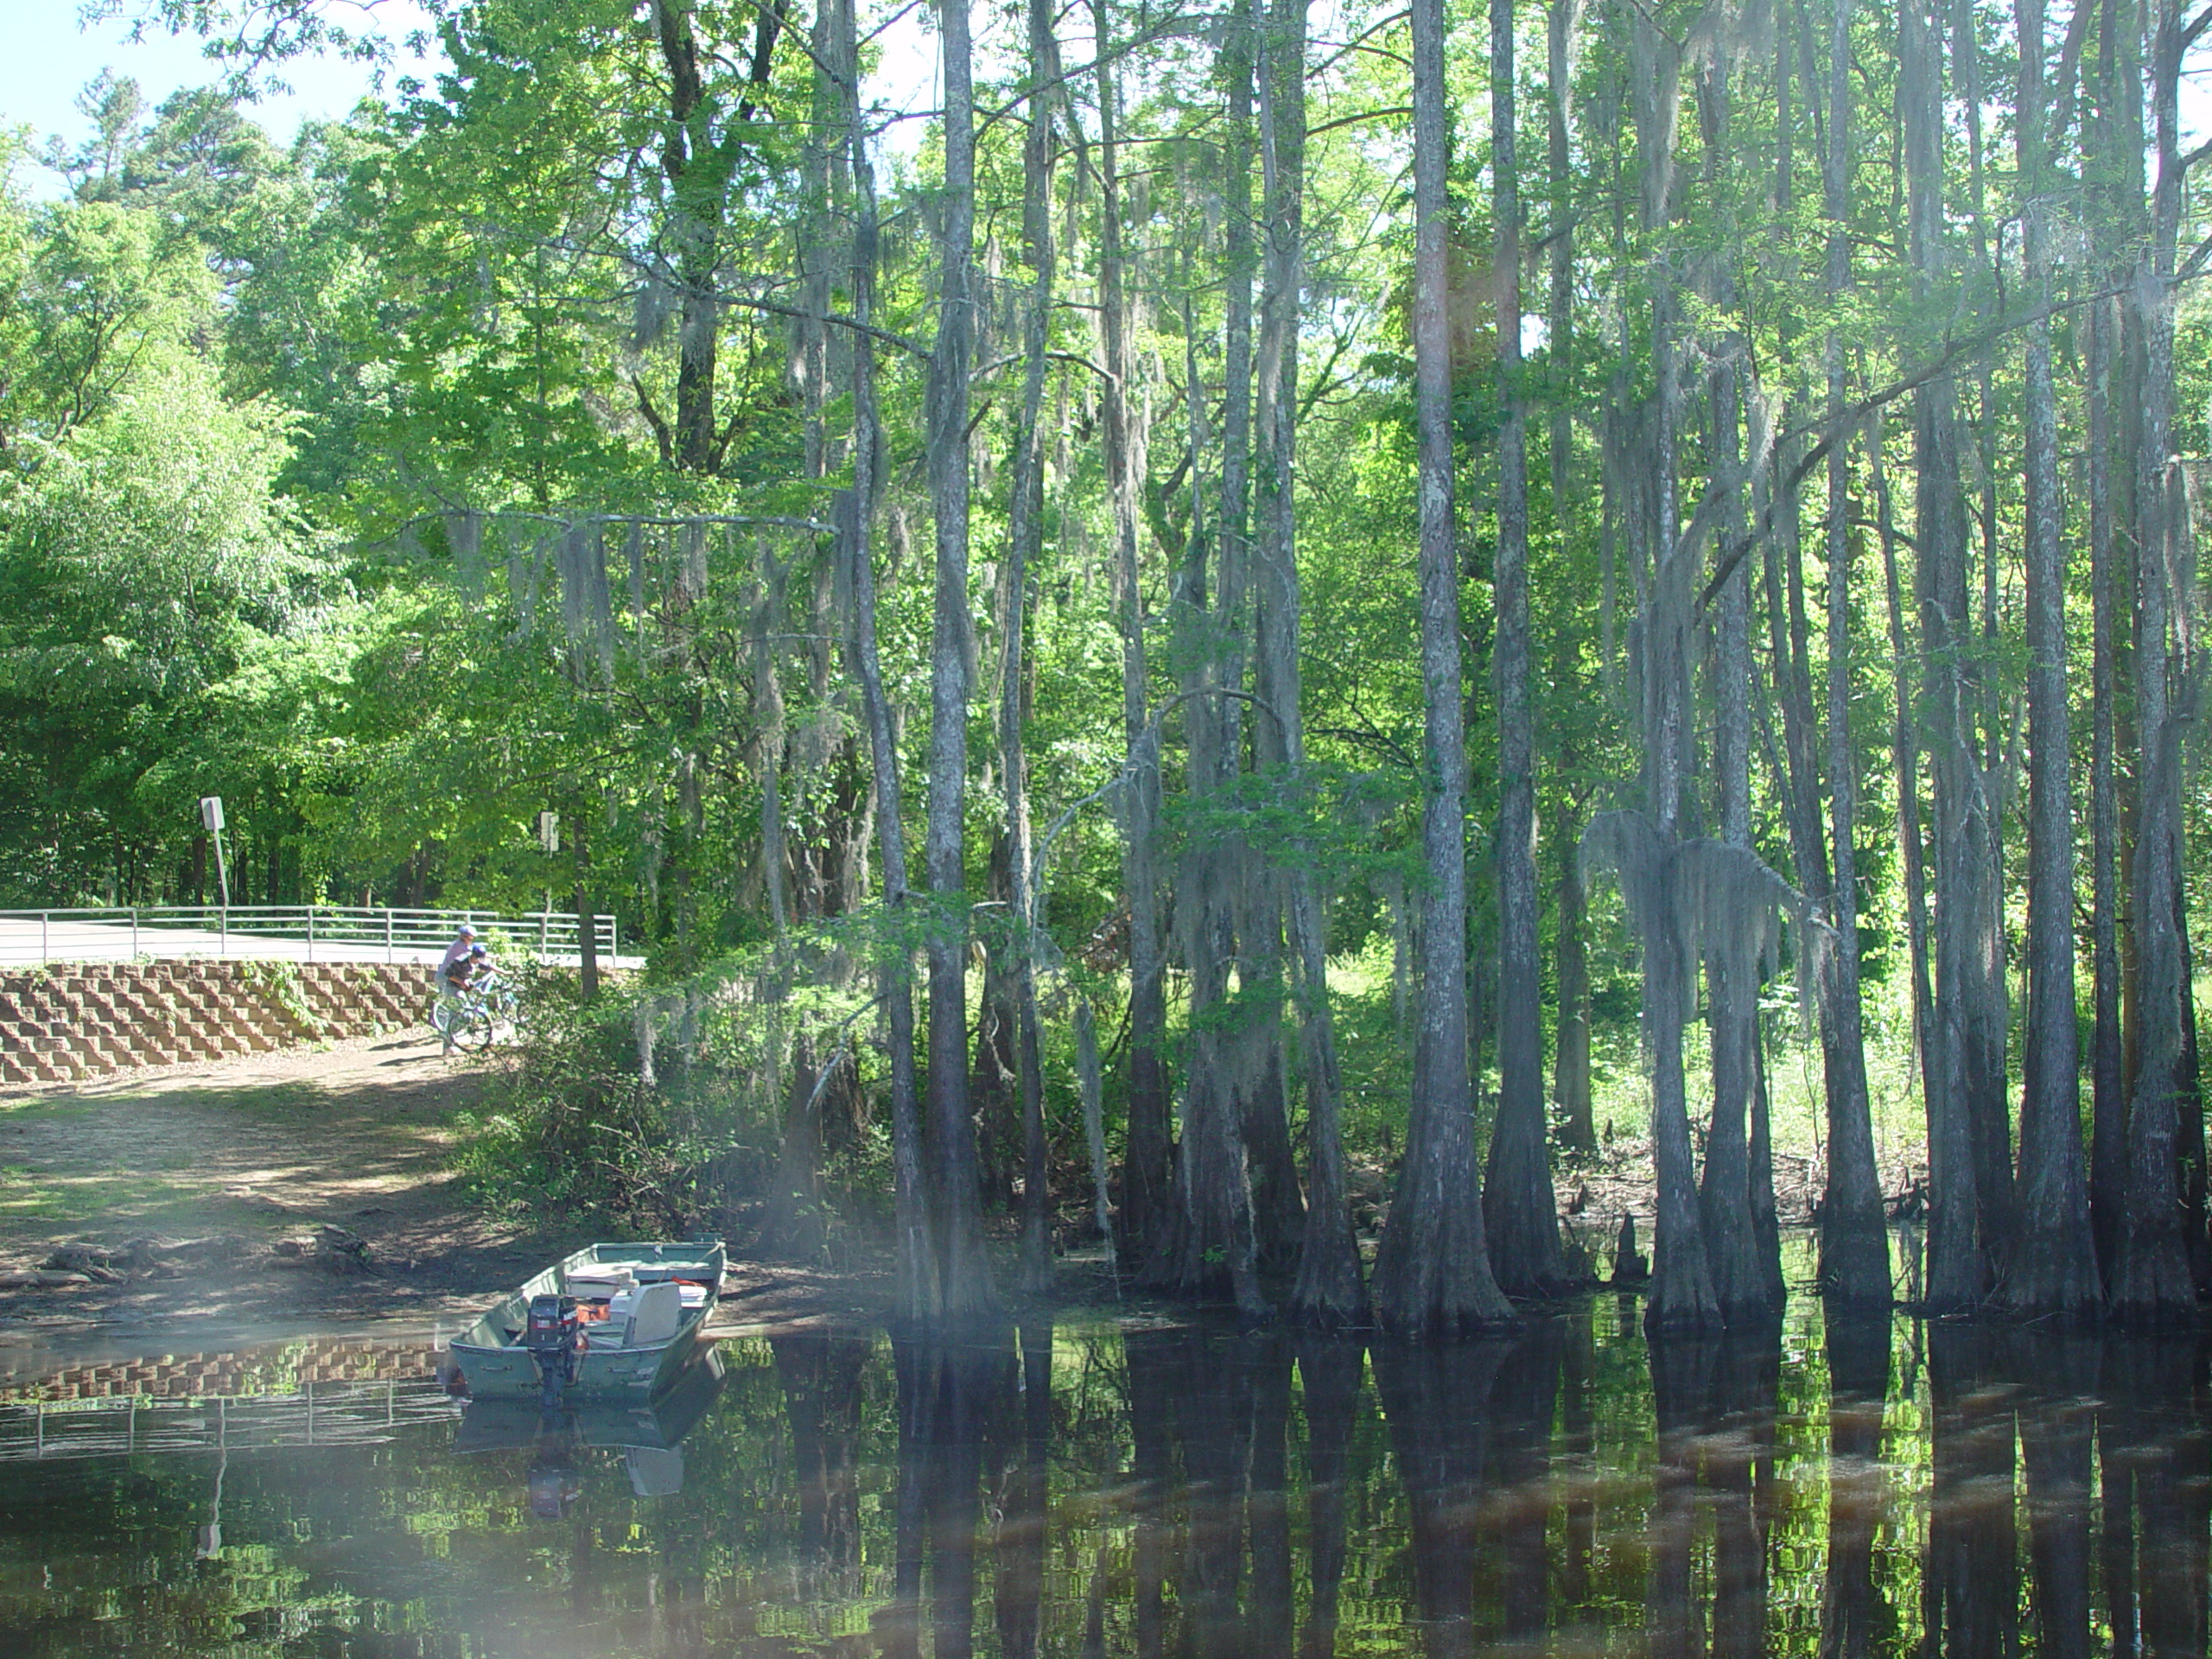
[440, 1014]
[472, 1030]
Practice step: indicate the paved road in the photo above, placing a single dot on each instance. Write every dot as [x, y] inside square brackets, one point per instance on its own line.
[25, 943]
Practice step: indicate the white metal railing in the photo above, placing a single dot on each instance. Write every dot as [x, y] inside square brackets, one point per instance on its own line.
[300, 932]
[317, 1414]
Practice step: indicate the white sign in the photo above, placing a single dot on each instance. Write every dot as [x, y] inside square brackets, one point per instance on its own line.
[210, 813]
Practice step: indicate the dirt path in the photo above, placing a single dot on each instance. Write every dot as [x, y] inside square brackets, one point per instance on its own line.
[358, 1135]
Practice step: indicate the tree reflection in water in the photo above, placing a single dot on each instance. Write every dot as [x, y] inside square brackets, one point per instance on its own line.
[1437, 1400]
[1857, 1617]
[2156, 1498]
[1333, 1369]
[1172, 1489]
[1971, 1597]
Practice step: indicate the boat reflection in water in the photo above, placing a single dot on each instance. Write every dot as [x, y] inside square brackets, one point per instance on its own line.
[646, 1434]
[1154, 1485]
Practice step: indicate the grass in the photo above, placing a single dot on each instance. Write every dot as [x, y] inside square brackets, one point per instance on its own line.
[23, 1197]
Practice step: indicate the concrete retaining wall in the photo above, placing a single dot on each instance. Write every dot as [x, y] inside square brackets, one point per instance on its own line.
[89, 1019]
[203, 1377]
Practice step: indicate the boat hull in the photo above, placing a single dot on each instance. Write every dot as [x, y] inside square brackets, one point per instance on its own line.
[490, 1364]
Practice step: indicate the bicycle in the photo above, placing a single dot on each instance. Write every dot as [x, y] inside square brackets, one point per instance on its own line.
[471, 1018]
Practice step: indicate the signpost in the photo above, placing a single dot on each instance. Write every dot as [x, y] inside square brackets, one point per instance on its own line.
[548, 837]
[211, 816]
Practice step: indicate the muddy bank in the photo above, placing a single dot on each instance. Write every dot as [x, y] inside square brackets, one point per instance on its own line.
[257, 1197]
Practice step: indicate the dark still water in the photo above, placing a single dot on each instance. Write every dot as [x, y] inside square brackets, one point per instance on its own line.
[1140, 1489]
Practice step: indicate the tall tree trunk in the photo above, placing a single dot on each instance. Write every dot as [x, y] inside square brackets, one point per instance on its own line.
[1271, 901]
[2116, 207]
[1571, 1084]
[1432, 1267]
[964, 1284]
[1681, 1298]
[2180, 522]
[915, 1256]
[1904, 755]
[1571, 1076]
[1522, 1211]
[1972, 995]
[2053, 1268]
[1766, 1223]
[1330, 1289]
[1741, 1280]
[1560, 20]
[1789, 646]
[1854, 1244]
[2123, 32]
[1025, 545]
[1956, 1263]
[587, 922]
[1147, 1186]
[1234, 1051]
[699, 196]
[2153, 1284]
[1209, 644]
[2108, 1101]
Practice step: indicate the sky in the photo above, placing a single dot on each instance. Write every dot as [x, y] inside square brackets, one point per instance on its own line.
[51, 55]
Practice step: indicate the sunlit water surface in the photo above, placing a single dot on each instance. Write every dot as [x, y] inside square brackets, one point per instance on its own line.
[1139, 1487]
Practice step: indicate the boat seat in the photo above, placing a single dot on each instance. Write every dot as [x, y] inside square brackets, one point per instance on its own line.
[655, 1317]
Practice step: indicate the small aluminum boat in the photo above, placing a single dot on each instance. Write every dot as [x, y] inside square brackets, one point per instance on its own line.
[613, 1321]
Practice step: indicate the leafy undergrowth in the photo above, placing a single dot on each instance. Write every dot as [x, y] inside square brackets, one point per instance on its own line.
[573, 1126]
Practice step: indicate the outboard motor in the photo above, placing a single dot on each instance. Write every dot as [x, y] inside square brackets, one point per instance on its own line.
[556, 1339]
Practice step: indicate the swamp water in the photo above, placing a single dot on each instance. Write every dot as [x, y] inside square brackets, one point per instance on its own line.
[1143, 1487]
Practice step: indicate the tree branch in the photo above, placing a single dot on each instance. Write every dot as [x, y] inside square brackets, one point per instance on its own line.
[1844, 421]
[662, 435]
[2198, 25]
[1354, 120]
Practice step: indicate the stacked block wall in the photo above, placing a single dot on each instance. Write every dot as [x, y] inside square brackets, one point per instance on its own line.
[201, 1376]
[75, 1020]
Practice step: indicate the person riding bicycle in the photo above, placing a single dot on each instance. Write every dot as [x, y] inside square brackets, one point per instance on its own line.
[474, 1002]
[455, 970]
[457, 953]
